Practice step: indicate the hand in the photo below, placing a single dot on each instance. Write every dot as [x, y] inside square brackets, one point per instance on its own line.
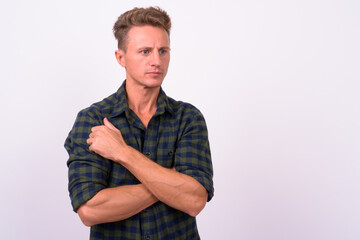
[107, 141]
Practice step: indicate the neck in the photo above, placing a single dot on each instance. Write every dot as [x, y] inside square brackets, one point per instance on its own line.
[142, 100]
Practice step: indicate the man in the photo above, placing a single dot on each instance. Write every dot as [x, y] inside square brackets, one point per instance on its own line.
[139, 161]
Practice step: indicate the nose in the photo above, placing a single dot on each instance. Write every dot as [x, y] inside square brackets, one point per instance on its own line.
[155, 59]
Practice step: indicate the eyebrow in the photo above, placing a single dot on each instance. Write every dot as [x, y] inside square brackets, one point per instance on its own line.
[147, 48]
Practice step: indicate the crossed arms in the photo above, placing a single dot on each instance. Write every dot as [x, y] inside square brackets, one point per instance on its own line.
[158, 183]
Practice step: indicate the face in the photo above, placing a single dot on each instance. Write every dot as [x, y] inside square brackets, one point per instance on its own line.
[147, 56]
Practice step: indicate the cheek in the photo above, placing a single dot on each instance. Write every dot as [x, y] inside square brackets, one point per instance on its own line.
[135, 65]
[166, 60]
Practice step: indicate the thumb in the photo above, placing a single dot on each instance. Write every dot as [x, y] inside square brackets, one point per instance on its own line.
[109, 125]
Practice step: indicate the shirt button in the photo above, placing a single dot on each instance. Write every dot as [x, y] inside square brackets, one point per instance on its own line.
[147, 237]
[170, 154]
[147, 154]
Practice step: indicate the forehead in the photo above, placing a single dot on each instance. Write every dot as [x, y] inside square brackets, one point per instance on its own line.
[148, 36]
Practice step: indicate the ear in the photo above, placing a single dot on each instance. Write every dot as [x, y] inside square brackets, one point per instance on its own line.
[120, 57]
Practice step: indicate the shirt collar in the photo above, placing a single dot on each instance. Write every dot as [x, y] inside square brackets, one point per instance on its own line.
[163, 104]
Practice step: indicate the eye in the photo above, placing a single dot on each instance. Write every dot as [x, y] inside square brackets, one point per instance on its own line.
[144, 52]
[162, 51]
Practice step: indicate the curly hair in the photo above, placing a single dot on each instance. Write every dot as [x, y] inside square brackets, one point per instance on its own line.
[153, 16]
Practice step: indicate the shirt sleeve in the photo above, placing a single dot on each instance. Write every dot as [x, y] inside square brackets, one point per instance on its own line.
[88, 172]
[193, 156]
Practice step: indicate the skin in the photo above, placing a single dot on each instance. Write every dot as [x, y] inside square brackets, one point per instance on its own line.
[146, 61]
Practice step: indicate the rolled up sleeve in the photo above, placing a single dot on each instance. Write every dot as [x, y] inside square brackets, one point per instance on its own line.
[88, 172]
[193, 156]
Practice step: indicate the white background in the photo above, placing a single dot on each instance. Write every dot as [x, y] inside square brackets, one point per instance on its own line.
[277, 81]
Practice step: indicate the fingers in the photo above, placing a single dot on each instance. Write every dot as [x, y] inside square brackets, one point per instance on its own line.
[89, 141]
[109, 125]
[102, 135]
[94, 131]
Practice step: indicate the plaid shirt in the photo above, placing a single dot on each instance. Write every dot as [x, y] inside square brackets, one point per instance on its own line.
[176, 136]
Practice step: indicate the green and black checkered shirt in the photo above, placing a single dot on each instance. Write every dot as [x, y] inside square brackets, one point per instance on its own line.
[176, 136]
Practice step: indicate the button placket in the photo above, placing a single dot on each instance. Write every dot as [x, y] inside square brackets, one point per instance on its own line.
[150, 132]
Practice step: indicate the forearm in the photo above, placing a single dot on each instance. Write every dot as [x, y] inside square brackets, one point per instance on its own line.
[115, 204]
[170, 187]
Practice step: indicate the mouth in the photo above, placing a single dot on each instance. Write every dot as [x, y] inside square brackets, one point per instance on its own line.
[154, 73]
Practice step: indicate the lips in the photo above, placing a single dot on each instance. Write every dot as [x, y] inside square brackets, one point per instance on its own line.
[154, 73]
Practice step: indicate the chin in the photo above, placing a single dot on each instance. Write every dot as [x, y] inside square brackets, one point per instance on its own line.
[153, 83]
[149, 82]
